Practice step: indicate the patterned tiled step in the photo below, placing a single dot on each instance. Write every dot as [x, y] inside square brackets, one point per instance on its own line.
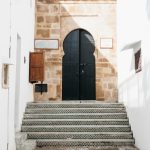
[80, 135]
[87, 148]
[74, 105]
[77, 116]
[75, 122]
[74, 110]
[85, 142]
[81, 128]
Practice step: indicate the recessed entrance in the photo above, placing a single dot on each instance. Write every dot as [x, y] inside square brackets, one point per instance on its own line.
[78, 76]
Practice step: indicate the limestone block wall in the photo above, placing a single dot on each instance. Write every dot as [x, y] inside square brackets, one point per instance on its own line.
[56, 19]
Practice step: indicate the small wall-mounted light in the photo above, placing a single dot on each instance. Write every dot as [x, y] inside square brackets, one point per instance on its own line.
[24, 59]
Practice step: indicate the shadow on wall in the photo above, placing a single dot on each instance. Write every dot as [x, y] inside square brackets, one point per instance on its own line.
[136, 96]
[148, 9]
[106, 73]
[134, 93]
[129, 51]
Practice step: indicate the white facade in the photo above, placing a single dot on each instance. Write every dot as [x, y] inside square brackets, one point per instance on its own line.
[134, 88]
[16, 33]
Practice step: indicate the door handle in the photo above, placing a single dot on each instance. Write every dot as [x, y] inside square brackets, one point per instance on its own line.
[84, 64]
[82, 71]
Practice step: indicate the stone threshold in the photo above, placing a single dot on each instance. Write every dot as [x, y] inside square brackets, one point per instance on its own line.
[75, 101]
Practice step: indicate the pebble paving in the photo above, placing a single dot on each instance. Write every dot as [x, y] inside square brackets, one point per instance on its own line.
[86, 148]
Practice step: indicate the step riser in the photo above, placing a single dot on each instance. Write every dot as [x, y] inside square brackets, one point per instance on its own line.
[60, 111]
[75, 129]
[79, 136]
[110, 116]
[41, 143]
[75, 122]
[75, 106]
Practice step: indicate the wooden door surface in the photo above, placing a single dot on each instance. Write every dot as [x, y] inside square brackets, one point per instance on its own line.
[36, 67]
[78, 79]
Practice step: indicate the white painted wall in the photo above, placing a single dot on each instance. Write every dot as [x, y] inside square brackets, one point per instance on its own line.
[21, 19]
[134, 88]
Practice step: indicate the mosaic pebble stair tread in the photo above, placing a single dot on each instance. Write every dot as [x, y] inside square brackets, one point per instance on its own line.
[80, 135]
[81, 128]
[85, 142]
[88, 148]
[74, 110]
[77, 116]
[75, 124]
[74, 105]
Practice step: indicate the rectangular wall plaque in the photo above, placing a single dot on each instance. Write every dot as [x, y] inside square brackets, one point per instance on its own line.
[106, 43]
[46, 44]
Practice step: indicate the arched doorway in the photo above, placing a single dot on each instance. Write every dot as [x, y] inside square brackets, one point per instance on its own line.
[78, 69]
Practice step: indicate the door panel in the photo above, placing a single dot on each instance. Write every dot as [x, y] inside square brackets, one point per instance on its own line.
[78, 81]
[36, 67]
[87, 63]
[70, 82]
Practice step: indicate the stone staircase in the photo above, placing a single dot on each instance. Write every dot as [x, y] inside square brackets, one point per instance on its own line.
[77, 125]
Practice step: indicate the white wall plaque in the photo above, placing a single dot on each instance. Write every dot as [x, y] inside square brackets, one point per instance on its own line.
[47, 44]
[106, 43]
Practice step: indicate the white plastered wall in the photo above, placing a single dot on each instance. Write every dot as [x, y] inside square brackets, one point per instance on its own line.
[134, 88]
[19, 15]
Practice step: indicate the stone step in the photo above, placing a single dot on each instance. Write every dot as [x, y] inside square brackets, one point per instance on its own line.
[77, 116]
[27, 145]
[80, 135]
[81, 128]
[75, 124]
[87, 148]
[75, 105]
[74, 110]
[32, 122]
[85, 142]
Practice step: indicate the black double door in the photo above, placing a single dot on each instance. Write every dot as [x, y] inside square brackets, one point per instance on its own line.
[78, 75]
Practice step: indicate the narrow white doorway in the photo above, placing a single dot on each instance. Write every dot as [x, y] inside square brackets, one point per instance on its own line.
[17, 84]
